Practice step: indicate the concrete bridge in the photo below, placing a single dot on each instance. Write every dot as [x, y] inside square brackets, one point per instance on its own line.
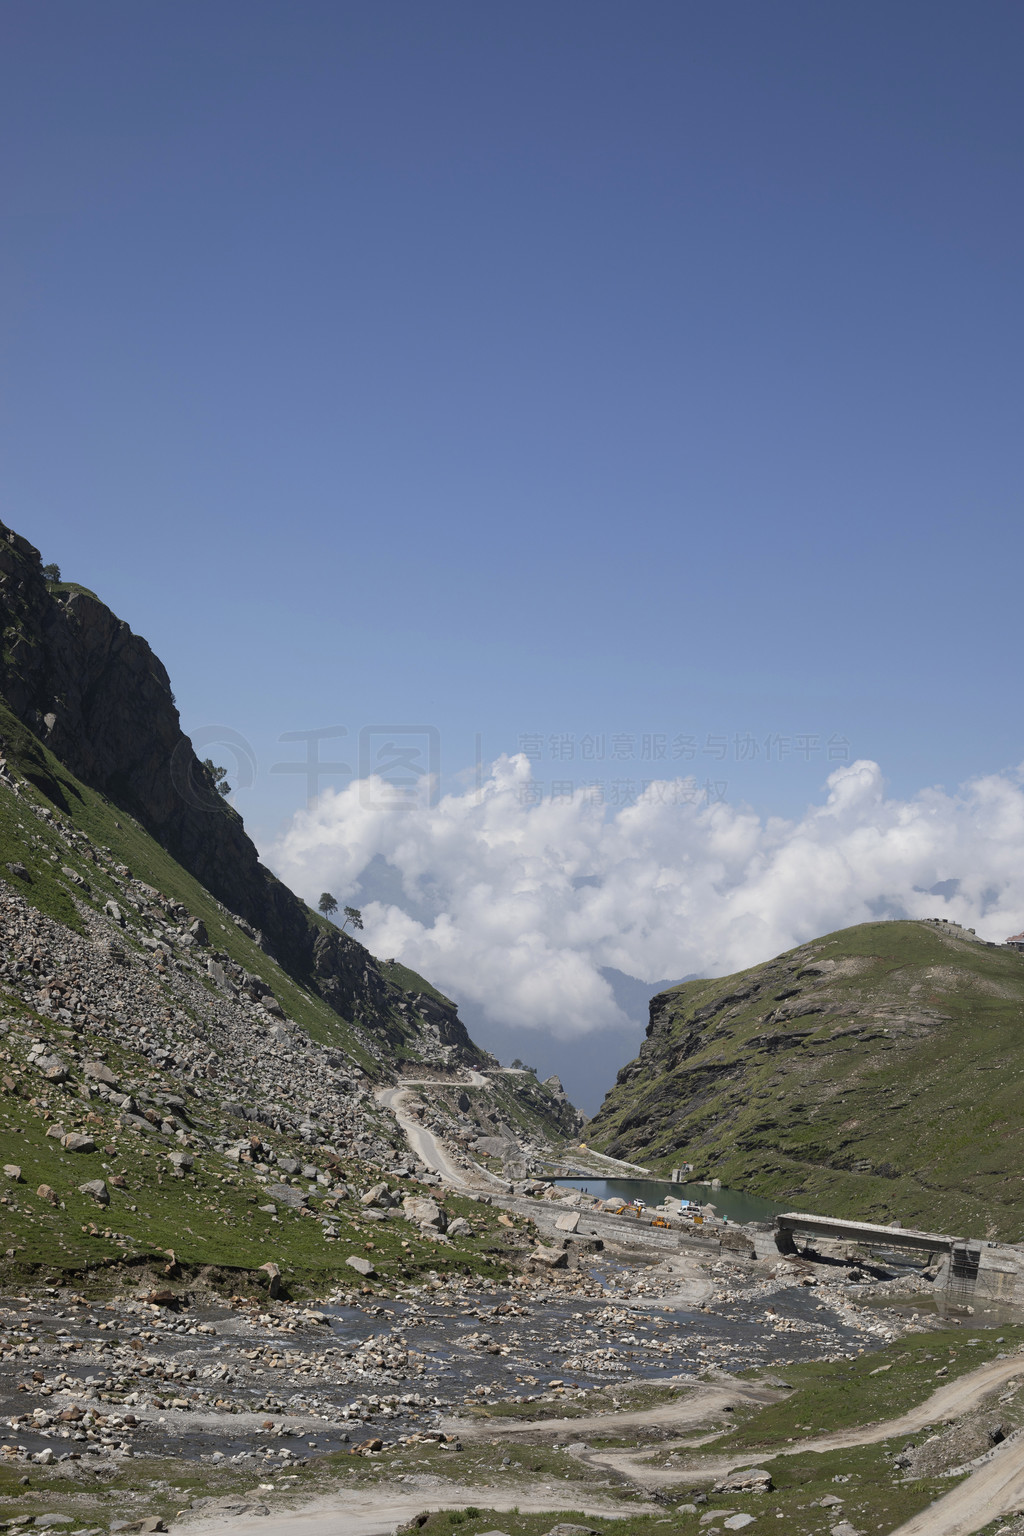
[868, 1232]
[968, 1268]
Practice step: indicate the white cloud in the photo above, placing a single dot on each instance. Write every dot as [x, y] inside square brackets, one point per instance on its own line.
[672, 888]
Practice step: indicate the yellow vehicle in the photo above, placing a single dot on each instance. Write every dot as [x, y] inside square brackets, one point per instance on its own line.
[633, 1210]
[659, 1221]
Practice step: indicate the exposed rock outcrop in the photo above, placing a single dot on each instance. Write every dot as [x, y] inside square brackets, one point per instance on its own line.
[93, 692]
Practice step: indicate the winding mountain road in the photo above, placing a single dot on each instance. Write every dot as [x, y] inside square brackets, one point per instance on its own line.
[428, 1148]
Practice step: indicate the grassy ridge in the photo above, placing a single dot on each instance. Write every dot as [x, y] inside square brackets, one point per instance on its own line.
[876, 1073]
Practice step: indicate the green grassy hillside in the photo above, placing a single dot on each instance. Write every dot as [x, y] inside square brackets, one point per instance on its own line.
[875, 1073]
[78, 821]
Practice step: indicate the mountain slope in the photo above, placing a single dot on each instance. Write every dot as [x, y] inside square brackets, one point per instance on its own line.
[874, 1073]
[187, 1052]
[88, 716]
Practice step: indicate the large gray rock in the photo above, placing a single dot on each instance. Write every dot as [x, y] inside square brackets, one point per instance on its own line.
[360, 1265]
[424, 1212]
[287, 1194]
[553, 1258]
[97, 1189]
[99, 1072]
[377, 1194]
[77, 1141]
[460, 1227]
[745, 1480]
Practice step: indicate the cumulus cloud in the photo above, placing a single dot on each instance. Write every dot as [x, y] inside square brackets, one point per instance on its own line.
[517, 907]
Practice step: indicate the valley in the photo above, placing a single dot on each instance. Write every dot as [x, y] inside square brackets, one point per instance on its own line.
[282, 1245]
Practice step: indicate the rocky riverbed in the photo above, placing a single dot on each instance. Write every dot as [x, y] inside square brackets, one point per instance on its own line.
[90, 1382]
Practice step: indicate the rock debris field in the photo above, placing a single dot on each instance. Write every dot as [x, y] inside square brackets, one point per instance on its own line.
[83, 1382]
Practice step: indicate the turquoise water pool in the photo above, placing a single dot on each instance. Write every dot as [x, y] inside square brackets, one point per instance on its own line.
[732, 1203]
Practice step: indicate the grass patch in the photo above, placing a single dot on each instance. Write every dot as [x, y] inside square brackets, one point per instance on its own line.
[848, 1394]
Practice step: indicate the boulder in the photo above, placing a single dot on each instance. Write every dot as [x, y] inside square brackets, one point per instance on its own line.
[287, 1194]
[553, 1258]
[97, 1189]
[738, 1522]
[13, 1172]
[182, 1160]
[44, 1192]
[273, 1274]
[360, 1265]
[569, 1222]
[460, 1227]
[99, 1072]
[424, 1212]
[745, 1480]
[377, 1194]
[77, 1141]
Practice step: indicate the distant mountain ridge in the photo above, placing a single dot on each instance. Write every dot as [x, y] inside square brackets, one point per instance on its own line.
[876, 1072]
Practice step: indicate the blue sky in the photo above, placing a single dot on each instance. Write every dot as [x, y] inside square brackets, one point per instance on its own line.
[578, 370]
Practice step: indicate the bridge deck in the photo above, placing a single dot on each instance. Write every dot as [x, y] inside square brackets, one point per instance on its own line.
[866, 1231]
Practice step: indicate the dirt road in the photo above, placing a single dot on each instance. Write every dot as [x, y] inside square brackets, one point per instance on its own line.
[993, 1490]
[699, 1404]
[380, 1511]
[429, 1150]
[997, 1484]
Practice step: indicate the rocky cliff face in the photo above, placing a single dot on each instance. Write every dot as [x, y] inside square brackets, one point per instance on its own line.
[875, 1073]
[97, 697]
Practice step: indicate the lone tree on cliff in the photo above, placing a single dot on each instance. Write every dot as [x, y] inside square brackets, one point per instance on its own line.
[327, 904]
[51, 572]
[218, 775]
[353, 916]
